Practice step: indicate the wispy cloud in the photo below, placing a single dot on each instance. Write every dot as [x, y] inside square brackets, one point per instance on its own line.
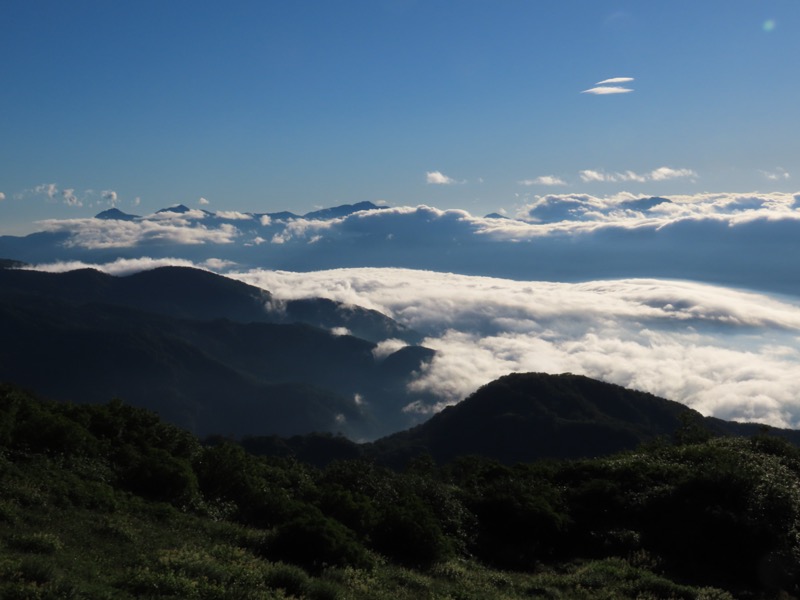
[604, 90]
[659, 174]
[233, 215]
[49, 189]
[779, 174]
[70, 199]
[663, 173]
[610, 86]
[110, 196]
[128, 266]
[439, 178]
[615, 80]
[549, 180]
[2, 196]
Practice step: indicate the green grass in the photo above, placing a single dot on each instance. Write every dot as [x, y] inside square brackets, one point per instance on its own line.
[147, 550]
[89, 522]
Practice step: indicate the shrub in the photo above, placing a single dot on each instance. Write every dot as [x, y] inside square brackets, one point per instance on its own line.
[314, 542]
[36, 543]
[409, 534]
[291, 579]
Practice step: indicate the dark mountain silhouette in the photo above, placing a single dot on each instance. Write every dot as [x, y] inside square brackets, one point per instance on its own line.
[340, 211]
[196, 294]
[283, 215]
[180, 209]
[116, 214]
[6, 263]
[644, 204]
[525, 417]
[198, 348]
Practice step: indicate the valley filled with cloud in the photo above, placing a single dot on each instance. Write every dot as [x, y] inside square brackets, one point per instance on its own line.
[726, 353]
[692, 298]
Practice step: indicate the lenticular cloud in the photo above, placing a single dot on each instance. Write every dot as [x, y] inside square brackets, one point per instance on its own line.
[723, 352]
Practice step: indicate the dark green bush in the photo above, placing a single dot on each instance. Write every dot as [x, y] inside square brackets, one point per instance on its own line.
[314, 542]
[408, 533]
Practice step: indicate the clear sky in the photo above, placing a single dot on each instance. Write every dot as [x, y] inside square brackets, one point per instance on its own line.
[290, 105]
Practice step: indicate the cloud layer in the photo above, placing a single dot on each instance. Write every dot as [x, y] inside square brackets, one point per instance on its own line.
[723, 352]
[743, 240]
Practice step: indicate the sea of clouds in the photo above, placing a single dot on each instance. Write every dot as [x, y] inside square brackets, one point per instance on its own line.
[646, 292]
[735, 240]
[725, 352]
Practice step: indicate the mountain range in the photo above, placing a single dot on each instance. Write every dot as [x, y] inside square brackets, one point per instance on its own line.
[208, 353]
[557, 238]
[220, 357]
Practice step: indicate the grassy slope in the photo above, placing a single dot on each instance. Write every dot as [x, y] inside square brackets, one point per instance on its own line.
[72, 525]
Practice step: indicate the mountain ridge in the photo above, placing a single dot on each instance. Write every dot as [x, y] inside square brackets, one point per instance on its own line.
[522, 417]
[203, 351]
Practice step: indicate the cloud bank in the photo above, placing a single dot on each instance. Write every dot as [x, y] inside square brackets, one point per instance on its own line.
[724, 352]
[740, 240]
[727, 353]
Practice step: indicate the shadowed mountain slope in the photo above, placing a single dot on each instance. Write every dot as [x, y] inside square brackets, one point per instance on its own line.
[196, 294]
[195, 347]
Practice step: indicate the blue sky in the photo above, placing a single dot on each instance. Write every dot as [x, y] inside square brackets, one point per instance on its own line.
[266, 106]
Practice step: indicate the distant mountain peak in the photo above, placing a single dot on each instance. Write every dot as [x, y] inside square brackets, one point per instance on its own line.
[115, 214]
[178, 208]
[341, 211]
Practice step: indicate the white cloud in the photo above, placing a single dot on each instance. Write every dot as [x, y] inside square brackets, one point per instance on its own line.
[663, 173]
[218, 265]
[203, 202]
[2, 196]
[606, 90]
[233, 215]
[590, 175]
[614, 80]
[659, 174]
[779, 174]
[724, 352]
[165, 228]
[543, 180]
[387, 347]
[121, 266]
[127, 266]
[307, 229]
[172, 214]
[265, 220]
[110, 196]
[438, 178]
[70, 199]
[50, 189]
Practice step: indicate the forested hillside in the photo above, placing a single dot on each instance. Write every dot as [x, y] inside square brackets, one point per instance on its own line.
[107, 501]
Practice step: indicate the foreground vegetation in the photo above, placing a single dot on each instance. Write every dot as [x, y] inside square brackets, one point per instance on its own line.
[109, 502]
